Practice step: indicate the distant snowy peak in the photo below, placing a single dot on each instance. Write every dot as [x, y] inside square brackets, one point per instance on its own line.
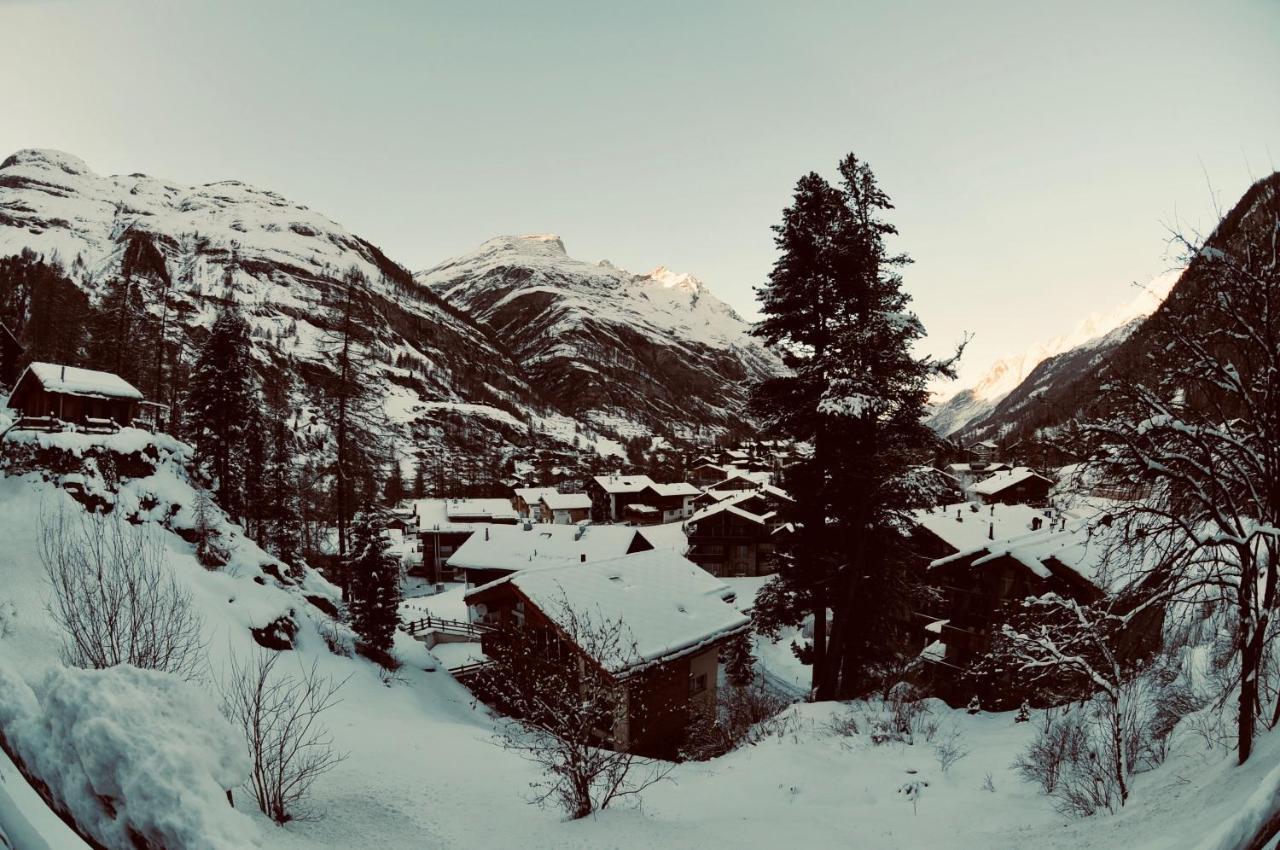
[1007, 373]
[659, 346]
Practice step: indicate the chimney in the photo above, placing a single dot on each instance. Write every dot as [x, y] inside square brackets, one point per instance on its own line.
[486, 532]
[64, 373]
[582, 558]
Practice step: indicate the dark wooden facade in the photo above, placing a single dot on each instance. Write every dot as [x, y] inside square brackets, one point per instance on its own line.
[1033, 490]
[32, 399]
[659, 701]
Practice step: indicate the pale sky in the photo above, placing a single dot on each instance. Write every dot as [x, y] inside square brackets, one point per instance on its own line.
[1036, 154]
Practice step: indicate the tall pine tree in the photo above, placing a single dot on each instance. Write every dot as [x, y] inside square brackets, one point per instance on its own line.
[373, 578]
[220, 406]
[836, 313]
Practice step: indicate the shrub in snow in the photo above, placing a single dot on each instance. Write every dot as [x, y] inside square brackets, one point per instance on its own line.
[739, 719]
[950, 749]
[278, 715]
[1084, 757]
[912, 791]
[116, 597]
[138, 758]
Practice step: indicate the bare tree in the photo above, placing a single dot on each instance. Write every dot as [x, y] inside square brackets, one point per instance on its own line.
[1072, 649]
[280, 718]
[116, 598]
[571, 711]
[1190, 439]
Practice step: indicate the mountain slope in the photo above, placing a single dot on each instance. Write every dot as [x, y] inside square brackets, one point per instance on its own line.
[1070, 384]
[1050, 362]
[669, 354]
[604, 343]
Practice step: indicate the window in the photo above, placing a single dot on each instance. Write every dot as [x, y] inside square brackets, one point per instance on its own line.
[698, 684]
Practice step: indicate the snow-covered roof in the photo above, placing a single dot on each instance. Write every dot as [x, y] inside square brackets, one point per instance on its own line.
[566, 501]
[670, 606]
[676, 488]
[531, 495]
[1081, 543]
[624, 483]
[667, 535]
[640, 508]
[515, 547]
[73, 380]
[1005, 479]
[965, 530]
[461, 514]
[731, 504]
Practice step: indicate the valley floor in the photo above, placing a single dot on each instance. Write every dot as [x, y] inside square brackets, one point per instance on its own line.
[425, 769]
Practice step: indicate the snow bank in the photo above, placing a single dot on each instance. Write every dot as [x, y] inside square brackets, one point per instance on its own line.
[131, 754]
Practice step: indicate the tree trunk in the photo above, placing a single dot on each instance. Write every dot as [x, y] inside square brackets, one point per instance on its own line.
[819, 645]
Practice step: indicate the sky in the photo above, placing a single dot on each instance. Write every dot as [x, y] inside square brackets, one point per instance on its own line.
[1037, 153]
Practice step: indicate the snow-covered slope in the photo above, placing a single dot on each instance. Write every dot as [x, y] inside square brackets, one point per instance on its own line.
[658, 347]
[1097, 333]
[436, 365]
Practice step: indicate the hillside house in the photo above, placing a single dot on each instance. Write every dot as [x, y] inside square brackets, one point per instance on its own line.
[984, 451]
[678, 616]
[611, 493]
[10, 356]
[661, 503]
[987, 560]
[639, 499]
[443, 525]
[564, 508]
[1020, 485]
[737, 535]
[85, 398]
[498, 551]
[526, 500]
[970, 473]
[706, 473]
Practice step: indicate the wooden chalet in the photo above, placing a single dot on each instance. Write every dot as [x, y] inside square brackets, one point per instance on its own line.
[498, 551]
[564, 508]
[11, 352]
[1020, 485]
[706, 473]
[526, 500]
[51, 395]
[679, 617]
[983, 451]
[639, 499]
[984, 562]
[442, 526]
[737, 535]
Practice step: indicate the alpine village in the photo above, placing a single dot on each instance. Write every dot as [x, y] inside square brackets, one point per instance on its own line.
[304, 548]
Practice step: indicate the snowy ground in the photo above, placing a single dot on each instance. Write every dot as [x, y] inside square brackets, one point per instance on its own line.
[425, 769]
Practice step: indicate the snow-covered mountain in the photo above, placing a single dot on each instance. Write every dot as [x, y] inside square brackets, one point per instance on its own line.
[603, 342]
[667, 341]
[1098, 333]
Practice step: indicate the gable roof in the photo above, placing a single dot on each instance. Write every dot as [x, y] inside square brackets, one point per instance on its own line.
[1081, 544]
[675, 488]
[965, 530]
[623, 483]
[1001, 481]
[669, 605]
[518, 547]
[461, 515]
[533, 494]
[72, 380]
[566, 501]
